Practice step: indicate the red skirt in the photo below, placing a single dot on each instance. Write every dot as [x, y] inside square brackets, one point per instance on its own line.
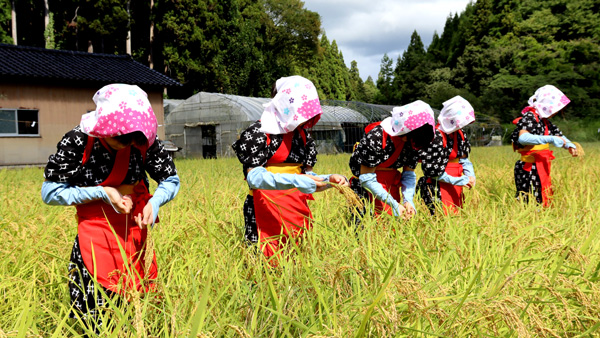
[280, 215]
[452, 195]
[113, 246]
[390, 180]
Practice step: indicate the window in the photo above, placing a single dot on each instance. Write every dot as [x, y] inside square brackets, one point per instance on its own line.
[19, 122]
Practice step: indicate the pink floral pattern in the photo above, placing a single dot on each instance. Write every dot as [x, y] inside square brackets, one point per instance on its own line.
[548, 100]
[408, 117]
[456, 114]
[415, 121]
[295, 103]
[310, 109]
[114, 116]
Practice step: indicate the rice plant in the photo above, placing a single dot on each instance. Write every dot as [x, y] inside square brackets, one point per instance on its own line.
[499, 269]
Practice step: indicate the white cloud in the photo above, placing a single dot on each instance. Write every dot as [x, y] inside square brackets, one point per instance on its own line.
[366, 29]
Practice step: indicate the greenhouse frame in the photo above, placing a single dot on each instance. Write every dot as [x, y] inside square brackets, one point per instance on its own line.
[207, 124]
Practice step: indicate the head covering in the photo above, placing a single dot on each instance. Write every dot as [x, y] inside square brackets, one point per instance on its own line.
[408, 118]
[296, 102]
[547, 101]
[120, 109]
[457, 113]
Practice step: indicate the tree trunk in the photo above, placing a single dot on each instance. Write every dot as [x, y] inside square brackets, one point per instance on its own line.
[14, 21]
[46, 21]
[150, 56]
[128, 41]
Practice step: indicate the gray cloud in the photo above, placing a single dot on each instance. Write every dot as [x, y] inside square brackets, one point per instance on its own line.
[366, 29]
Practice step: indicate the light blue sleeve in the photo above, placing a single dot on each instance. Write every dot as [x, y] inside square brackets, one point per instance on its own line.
[462, 180]
[530, 139]
[54, 193]
[324, 177]
[569, 144]
[468, 169]
[409, 183]
[260, 178]
[369, 182]
[166, 191]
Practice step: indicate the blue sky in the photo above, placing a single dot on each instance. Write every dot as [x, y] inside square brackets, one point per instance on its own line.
[366, 29]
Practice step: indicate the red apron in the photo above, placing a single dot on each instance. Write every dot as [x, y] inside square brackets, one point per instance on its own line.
[388, 177]
[101, 248]
[452, 195]
[542, 156]
[281, 214]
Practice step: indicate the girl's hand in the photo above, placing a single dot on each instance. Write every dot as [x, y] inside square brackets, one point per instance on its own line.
[145, 219]
[122, 204]
[471, 183]
[339, 180]
[321, 185]
[410, 211]
[573, 152]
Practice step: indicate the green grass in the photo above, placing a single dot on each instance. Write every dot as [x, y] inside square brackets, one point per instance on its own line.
[500, 269]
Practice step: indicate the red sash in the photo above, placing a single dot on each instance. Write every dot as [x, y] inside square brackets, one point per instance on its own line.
[388, 177]
[390, 180]
[543, 160]
[281, 214]
[452, 195]
[101, 248]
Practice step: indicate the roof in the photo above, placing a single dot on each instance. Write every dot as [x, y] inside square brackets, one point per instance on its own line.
[48, 64]
[226, 107]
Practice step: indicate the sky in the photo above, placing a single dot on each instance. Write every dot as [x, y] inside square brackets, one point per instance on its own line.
[365, 30]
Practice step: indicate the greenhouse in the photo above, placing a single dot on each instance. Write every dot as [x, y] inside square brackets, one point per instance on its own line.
[206, 124]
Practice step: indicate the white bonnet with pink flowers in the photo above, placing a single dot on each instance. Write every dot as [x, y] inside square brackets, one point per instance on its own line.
[456, 114]
[296, 102]
[408, 118]
[120, 109]
[548, 100]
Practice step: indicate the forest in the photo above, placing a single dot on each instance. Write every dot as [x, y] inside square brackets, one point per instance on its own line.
[226, 46]
[495, 53]
[498, 52]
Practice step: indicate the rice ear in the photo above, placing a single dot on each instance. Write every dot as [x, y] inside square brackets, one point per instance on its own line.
[350, 195]
[580, 151]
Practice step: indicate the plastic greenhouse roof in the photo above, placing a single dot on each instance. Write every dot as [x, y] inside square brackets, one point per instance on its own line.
[253, 108]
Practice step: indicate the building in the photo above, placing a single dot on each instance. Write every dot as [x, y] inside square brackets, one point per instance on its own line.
[44, 92]
[206, 124]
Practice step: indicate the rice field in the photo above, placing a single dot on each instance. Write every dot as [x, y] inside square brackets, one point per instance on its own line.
[500, 269]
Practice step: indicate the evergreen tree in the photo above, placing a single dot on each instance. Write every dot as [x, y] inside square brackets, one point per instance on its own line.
[411, 73]
[371, 91]
[384, 81]
[5, 21]
[356, 83]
